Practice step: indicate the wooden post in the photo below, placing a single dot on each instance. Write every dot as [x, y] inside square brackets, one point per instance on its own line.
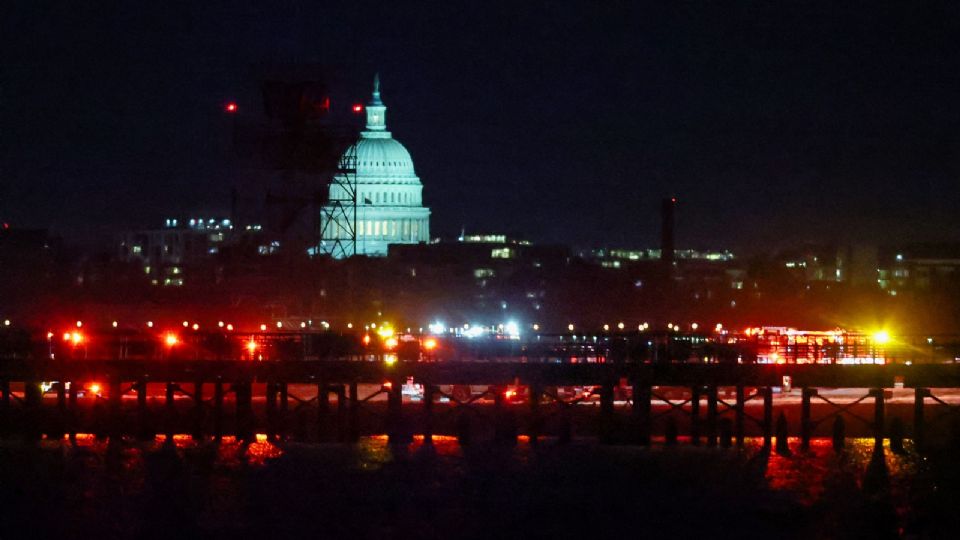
[919, 394]
[767, 417]
[323, 410]
[61, 409]
[395, 429]
[739, 415]
[428, 395]
[218, 410]
[5, 407]
[284, 409]
[243, 392]
[606, 413]
[695, 416]
[806, 426]
[271, 399]
[198, 411]
[354, 418]
[641, 410]
[145, 431]
[74, 413]
[535, 392]
[171, 412]
[32, 398]
[342, 414]
[712, 416]
[878, 418]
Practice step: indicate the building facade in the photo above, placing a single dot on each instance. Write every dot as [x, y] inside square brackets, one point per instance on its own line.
[389, 208]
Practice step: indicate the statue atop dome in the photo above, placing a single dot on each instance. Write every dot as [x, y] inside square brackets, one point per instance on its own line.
[375, 100]
[376, 110]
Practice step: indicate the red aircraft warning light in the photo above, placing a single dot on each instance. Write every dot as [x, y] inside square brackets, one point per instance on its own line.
[230, 107]
[358, 108]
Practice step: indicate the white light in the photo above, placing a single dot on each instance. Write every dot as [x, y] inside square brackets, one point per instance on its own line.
[6, 322]
[279, 324]
[620, 325]
[512, 329]
[694, 326]
[303, 325]
[149, 324]
[220, 324]
[474, 331]
[536, 327]
[114, 324]
[437, 327]
[79, 324]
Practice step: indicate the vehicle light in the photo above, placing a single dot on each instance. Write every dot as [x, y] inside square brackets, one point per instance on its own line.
[430, 344]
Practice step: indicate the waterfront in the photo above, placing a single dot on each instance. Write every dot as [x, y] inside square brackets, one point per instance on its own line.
[374, 489]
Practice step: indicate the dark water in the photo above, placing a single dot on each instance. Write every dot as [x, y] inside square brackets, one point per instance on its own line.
[373, 490]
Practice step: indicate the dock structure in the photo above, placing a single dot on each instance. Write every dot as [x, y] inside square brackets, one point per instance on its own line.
[718, 403]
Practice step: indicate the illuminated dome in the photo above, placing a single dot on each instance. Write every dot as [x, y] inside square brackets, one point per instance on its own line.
[379, 157]
[389, 194]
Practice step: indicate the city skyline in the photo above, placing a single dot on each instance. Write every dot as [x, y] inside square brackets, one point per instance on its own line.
[568, 125]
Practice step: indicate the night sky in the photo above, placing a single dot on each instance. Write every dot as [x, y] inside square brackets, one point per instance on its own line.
[772, 122]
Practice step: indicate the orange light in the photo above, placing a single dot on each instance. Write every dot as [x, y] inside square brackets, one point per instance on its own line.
[366, 339]
[230, 107]
[95, 388]
[391, 343]
[76, 337]
[251, 346]
[66, 336]
[388, 385]
[171, 339]
[430, 344]
[510, 393]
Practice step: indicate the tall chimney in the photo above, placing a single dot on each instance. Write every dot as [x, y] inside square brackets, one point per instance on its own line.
[666, 230]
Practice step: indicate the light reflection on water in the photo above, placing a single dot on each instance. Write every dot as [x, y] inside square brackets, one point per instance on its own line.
[805, 476]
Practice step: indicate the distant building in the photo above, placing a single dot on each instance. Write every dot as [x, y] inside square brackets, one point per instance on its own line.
[389, 206]
[920, 268]
[166, 253]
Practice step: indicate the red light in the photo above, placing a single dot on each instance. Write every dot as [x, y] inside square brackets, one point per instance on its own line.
[388, 385]
[366, 339]
[358, 108]
[230, 107]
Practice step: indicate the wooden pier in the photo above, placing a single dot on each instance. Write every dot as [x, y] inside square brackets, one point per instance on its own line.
[221, 398]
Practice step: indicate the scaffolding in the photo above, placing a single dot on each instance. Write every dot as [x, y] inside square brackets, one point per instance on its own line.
[338, 217]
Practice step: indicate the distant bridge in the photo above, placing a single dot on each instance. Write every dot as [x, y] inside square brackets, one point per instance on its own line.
[338, 398]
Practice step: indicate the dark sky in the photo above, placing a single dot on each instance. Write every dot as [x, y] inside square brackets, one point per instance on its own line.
[773, 122]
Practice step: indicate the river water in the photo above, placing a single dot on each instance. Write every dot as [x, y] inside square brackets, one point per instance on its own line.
[375, 490]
